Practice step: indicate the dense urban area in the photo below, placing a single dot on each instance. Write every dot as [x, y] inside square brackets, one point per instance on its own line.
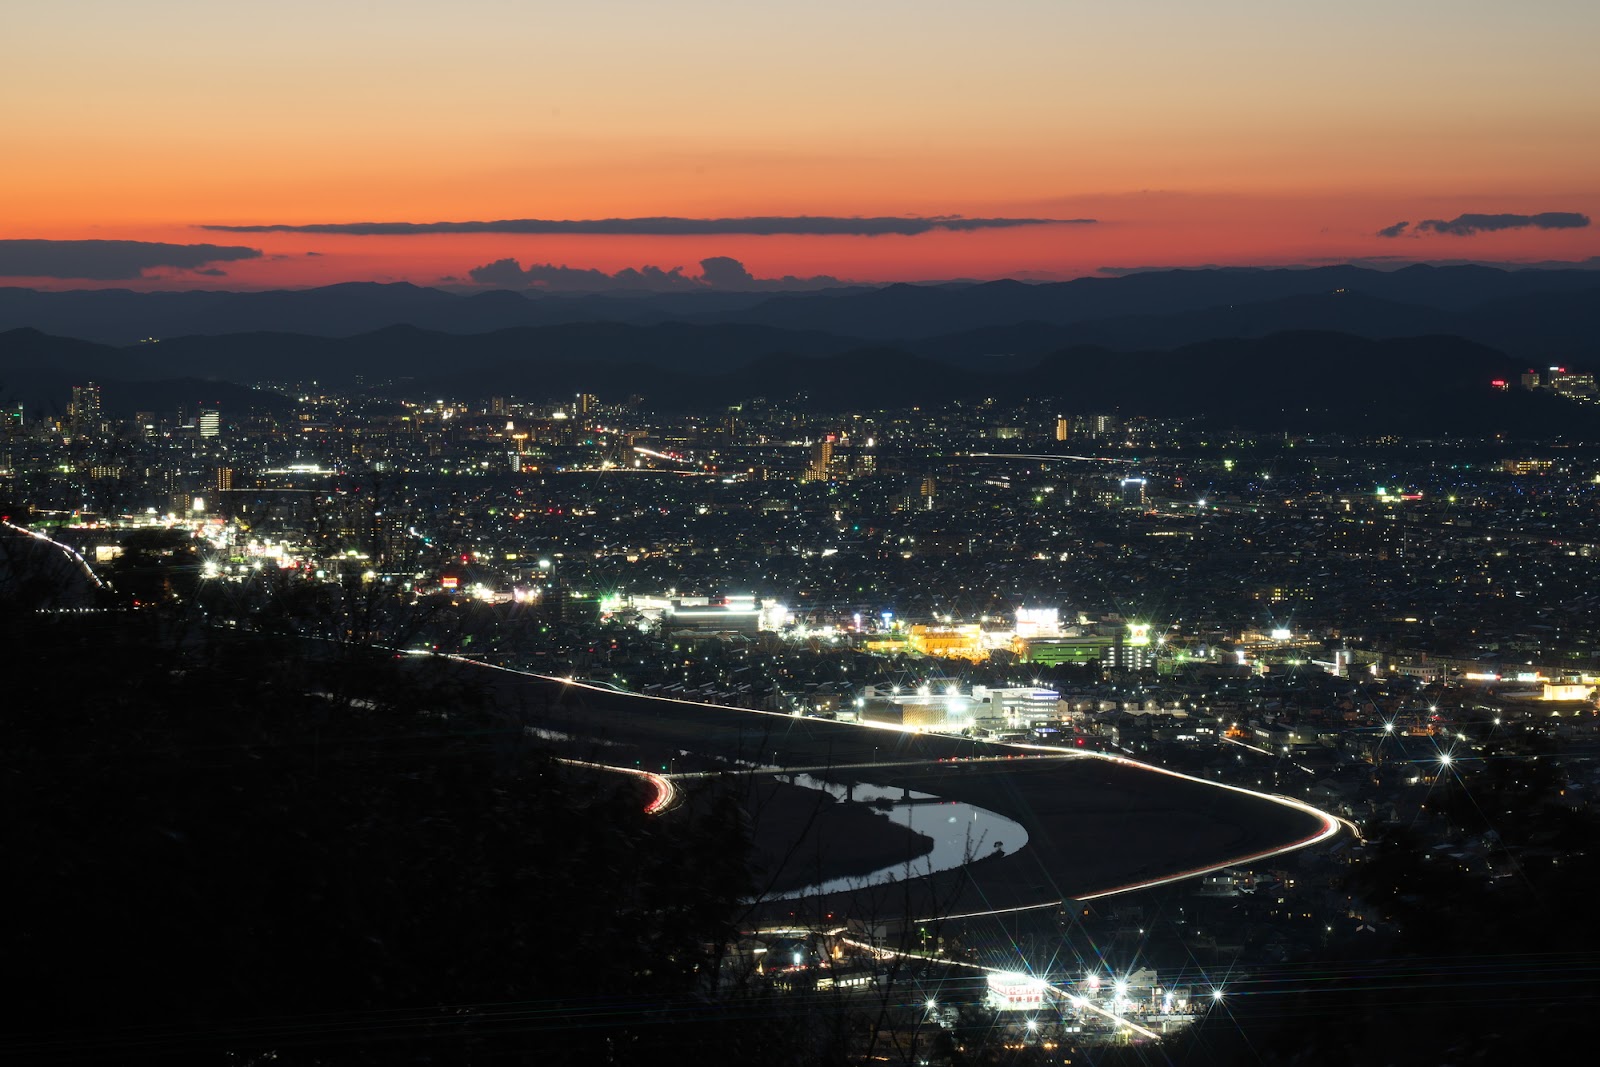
[1397, 631]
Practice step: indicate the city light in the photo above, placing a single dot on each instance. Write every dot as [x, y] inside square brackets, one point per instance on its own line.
[1302, 644]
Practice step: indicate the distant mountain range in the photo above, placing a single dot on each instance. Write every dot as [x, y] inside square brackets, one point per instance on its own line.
[1530, 314]
[1292, 381]
[1412, 349]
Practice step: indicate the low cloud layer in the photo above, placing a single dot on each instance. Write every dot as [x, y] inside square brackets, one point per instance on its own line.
[1468, 225]
[766, 226]
[720, 273]
[1383, 263]
[110, 261]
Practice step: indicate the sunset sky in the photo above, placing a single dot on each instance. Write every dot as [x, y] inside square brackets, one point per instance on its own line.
[1228, 132]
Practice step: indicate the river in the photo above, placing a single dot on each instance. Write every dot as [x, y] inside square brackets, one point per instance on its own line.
[960, 832]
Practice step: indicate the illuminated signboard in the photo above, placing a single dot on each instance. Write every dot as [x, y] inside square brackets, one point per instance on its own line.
[1016, 992]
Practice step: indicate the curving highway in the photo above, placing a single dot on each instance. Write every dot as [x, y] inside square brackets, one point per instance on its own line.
[1099, 825]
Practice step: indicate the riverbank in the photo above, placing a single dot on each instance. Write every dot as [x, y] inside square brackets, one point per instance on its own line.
[805, 837]
[1095, 825]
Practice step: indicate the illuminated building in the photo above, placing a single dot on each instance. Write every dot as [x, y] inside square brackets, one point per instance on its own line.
[85, 407]
[1133, 492]
[1063, 428]
[918, 709]
[821, 463]
[730, 614]
[210, 422]
[1038, 622]
[1569, 383]
[1055, 651]
[1016, 707]
[949, 642]
[1129, 650]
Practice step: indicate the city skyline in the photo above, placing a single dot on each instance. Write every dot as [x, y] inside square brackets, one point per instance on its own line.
[1070, 140]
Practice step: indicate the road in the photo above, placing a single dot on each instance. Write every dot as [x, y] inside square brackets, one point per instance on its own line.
[1098, 824]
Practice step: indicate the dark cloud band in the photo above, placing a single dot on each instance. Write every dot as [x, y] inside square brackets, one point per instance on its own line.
[109, 261]
[716, 272]
[1467, 225]
[666, 226]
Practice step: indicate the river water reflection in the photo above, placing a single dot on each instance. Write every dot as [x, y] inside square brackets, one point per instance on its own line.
[959, 831]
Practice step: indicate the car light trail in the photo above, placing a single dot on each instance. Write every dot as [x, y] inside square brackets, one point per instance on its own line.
[667, 795]
[1330, 828]
[1265, 752]
[66, 550]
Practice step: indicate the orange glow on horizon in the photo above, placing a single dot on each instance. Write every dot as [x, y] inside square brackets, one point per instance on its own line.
[1250, 132]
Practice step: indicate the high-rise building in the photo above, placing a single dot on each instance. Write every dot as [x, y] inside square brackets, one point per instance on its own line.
[389, 538]
[821, 460]
[210, 422]
[85, 407]
[1569, 383]
[1063, 428]
[1133, 492]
